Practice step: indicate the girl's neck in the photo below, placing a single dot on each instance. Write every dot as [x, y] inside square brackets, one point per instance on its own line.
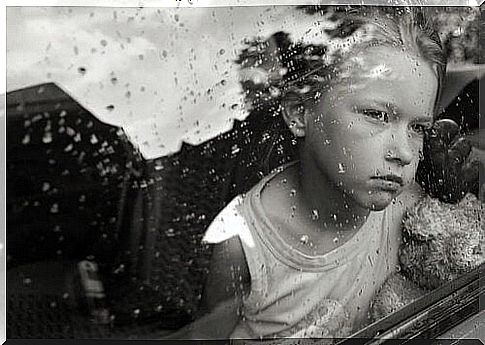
[326, 203]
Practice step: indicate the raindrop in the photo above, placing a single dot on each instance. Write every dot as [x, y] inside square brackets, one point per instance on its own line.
[27, 281]
[77, 138]
[70, 131]
[336, 240]
[315, 215]
[94, 139]
[54, 208]
[110, 107]
[104, 43]
[47, 138]
[82, 70]
[222, 51]
[46, 186]
[304, 239]
[341, 168]
[26, 139]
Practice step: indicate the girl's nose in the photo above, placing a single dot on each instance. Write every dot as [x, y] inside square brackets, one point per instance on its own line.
[400, 149]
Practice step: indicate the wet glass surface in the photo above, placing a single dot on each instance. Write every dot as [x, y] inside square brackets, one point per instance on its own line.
[130, 144]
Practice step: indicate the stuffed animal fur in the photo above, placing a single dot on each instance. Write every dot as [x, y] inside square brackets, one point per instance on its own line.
[440, 241]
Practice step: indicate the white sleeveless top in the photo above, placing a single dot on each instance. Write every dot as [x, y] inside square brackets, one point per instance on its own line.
[297, 295]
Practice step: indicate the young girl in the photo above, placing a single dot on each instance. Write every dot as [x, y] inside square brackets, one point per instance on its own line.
[304, 251]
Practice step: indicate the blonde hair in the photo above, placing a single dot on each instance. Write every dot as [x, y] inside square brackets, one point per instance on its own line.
[297, 69]
[307, 69]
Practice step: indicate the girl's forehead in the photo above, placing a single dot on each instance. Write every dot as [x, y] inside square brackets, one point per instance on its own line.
[391, 76]
[380, 63]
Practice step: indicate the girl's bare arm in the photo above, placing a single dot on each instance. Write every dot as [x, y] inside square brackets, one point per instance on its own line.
[227, 283]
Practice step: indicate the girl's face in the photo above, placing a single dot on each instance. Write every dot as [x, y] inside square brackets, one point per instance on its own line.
[365, 134]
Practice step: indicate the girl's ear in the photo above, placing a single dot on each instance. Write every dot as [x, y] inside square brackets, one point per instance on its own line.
[294, 115]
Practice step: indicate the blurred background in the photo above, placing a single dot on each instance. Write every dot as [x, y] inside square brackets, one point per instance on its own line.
[126, 134]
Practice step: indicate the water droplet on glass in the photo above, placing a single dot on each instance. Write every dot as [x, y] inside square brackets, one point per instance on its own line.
[46, 186]
[341, 168]
[304, 239]
[235, 149]
[47, 138]
[54, 208]
[315, 214]
[293, 192]
[26, 139]
[94, 139]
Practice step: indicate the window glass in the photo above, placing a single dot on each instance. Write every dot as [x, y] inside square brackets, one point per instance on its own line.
[330, 142]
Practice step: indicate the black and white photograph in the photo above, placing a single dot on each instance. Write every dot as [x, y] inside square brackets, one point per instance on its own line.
[260, 172]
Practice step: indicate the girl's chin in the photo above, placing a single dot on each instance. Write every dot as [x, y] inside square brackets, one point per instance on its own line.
[377, 201]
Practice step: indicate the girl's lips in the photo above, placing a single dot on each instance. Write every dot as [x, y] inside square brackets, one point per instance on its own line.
[391, 183]
[389, 178]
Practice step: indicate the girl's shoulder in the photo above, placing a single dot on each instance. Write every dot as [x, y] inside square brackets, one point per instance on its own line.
[230, 223]
[234, 218]
[227, 224]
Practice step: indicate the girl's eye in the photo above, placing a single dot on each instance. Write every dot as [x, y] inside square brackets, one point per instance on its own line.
[376, 114]
[420, 128]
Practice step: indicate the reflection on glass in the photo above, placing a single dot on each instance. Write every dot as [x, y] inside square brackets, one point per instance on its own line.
[344, 195]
